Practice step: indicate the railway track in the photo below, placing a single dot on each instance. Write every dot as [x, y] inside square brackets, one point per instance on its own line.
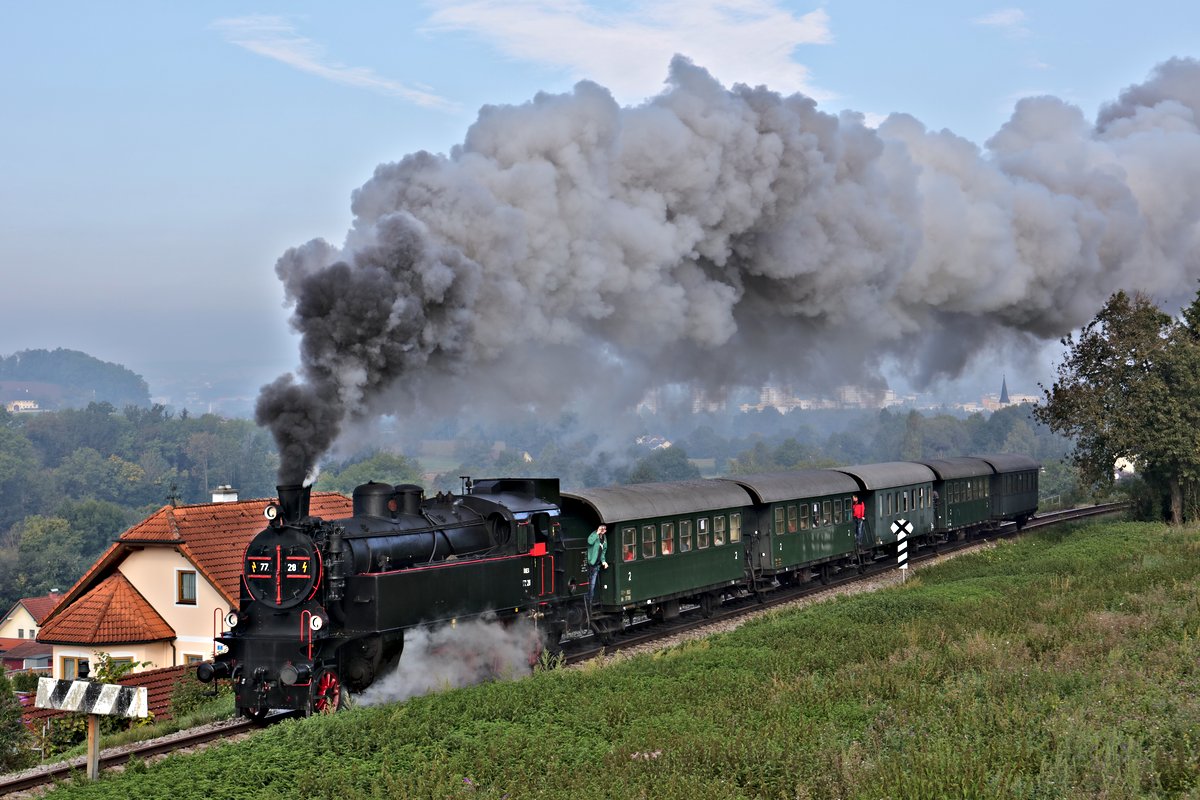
[641, 632]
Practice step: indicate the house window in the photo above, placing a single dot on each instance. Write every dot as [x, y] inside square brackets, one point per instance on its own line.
[192, 658]
[20, 633]
[70, 667]
[185, 587]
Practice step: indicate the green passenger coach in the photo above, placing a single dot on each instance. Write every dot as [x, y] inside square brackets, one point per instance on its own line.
[803, 521]
[667, 543]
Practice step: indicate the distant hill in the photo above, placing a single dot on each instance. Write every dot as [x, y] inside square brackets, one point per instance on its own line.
[56, 379]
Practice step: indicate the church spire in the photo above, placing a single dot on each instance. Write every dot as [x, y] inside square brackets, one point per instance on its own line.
[1004, 391]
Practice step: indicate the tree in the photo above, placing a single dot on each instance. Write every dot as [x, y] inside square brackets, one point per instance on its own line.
[667, 464]
[14, 737]
[1130, 387]
[385, 467]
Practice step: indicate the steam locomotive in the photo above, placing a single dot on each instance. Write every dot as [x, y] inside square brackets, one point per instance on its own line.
[325, 604]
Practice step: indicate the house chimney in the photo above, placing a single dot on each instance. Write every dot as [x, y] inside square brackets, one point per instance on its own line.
[224, 494]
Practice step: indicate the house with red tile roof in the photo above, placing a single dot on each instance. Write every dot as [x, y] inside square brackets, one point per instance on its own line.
[159, 595]
[26, 616]
[19, 655]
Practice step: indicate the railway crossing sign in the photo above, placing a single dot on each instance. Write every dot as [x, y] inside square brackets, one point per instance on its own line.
[903, 529]
[93, 699]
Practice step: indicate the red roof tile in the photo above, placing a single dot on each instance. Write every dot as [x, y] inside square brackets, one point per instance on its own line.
[40, 607]
[27, 648]
[111, 613]
[7, 643]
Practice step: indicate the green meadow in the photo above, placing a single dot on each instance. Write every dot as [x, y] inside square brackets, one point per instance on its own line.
[1062, 665]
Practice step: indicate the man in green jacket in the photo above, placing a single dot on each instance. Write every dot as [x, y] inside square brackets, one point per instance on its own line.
[596, 558]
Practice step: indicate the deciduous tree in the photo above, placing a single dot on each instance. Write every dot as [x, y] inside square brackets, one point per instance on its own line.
[1129, 386]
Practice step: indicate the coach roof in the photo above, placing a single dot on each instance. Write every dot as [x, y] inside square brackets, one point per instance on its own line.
[773, 487]
[961, 467]
[1009, 462]
[646, 500]
[890, 474]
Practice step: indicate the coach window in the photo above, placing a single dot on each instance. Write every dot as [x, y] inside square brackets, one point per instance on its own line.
[718, 531]
[793, 522]
[685, 535]
[735, 527]
[816, 514]
[889, 503]
[702, 533]
[628, 544]
[837, 511]
[649, 535]
[668, 538]
[904, 499]
[185, 587]
[827, 512]
[804, 525]
[779, 528]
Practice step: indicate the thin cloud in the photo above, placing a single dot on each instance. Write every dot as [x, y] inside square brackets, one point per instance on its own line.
[276, 38]
[1009, 20]
[745, 41]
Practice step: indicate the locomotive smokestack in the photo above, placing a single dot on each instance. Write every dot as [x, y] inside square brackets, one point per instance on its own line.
[293, 501]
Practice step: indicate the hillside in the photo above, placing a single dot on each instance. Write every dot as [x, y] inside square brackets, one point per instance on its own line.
[57, 379]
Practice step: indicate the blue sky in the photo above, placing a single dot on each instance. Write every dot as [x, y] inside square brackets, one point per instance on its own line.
[157, 158]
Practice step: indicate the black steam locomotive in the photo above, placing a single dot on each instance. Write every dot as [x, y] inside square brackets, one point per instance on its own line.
[325, 603]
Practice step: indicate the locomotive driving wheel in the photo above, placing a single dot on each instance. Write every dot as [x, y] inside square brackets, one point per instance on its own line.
[327, 692]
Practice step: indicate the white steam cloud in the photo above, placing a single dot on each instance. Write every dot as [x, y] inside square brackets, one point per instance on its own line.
[446, 657]
[575, 252]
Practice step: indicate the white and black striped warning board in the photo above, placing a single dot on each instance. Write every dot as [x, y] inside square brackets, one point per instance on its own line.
[903, 529]
[93, 698]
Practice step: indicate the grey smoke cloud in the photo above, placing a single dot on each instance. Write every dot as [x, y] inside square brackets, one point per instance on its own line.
[575, 252]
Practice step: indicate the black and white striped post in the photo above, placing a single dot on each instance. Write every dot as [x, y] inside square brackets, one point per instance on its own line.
[93, 699]
[902, 528]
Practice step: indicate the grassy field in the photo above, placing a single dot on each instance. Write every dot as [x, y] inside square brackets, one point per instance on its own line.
[1061, 666]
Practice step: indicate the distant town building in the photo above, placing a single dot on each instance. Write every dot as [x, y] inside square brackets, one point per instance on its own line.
[22, 406]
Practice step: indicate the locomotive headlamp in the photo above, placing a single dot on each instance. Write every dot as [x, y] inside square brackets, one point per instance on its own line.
[232, 619]
[271, 512]
[316, 622]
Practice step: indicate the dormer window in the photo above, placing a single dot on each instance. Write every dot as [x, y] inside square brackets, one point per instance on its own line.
[185, 587]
